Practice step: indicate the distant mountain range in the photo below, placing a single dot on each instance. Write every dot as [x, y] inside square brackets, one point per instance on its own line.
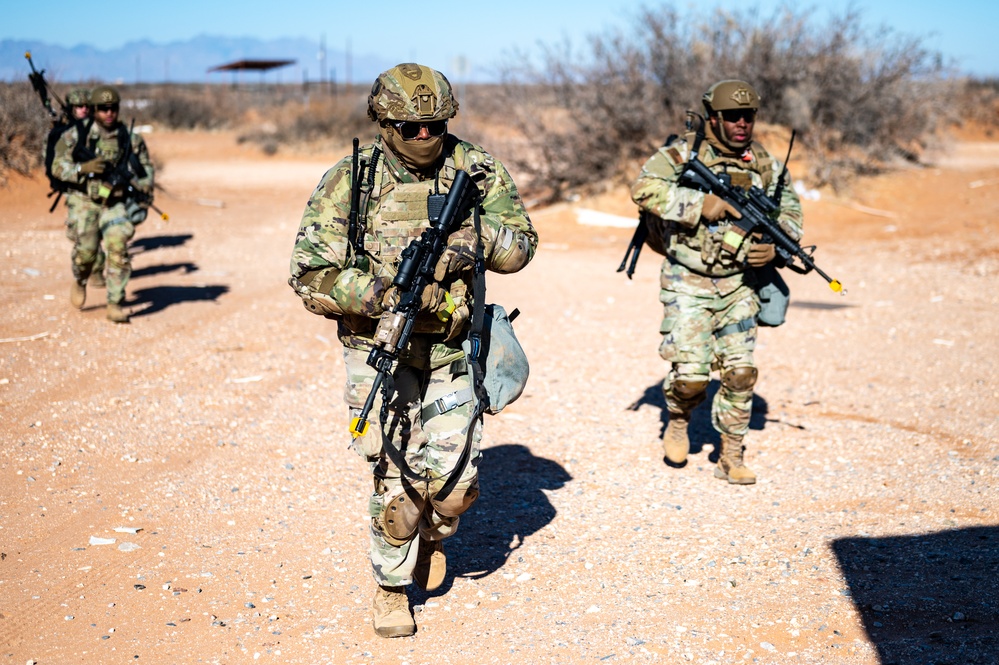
[186, 62]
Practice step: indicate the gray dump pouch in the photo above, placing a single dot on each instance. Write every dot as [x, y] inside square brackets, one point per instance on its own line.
[505, 366]
[774, 296]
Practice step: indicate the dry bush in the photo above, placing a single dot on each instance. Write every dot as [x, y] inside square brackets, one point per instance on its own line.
[179, 107]
[317, 121]
[24, 126]
[978, 101]
[859, 98]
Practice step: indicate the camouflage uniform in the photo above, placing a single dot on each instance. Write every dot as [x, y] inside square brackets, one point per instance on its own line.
[80, 98]
[706, 288]
[333, 281]
[97, 213]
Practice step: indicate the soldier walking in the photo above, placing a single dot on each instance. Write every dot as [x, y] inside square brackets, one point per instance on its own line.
[346, 256]
[707, 280]
[109, 177]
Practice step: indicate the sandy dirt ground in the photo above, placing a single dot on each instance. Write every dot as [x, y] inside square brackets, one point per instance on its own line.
[179, 489]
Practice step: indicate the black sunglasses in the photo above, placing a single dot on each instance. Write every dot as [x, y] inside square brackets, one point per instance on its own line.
[410, 130]
[735, 115]
[108, 107]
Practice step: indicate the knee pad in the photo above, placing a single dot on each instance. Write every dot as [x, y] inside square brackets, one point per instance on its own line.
[457, 502]
[400, 514]
[687, 389]
[740, 379]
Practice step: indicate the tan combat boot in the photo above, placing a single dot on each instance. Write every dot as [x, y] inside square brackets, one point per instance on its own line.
[77, 295]
[97, 280]
[730, 465]
[431, 564]
[116, 313]
[676, 441]
[391, 615]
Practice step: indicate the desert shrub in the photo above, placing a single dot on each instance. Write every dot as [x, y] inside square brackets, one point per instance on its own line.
[978, 101]
[181, 108]
[859, 98]
[316, 122]
[24, 125]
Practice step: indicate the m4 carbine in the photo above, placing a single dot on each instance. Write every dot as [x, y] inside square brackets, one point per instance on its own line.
[122, 176]
[416, 272]
[758, 212]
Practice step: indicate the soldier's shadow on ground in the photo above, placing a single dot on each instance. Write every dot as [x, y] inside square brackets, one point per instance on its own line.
[702, 432]
[511, 506]
[140, 245]
[157, 298]
[927, 599]
[186, 268]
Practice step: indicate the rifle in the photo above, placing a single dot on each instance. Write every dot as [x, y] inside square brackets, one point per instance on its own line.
[758, 211]
[415, 272]
[634, 247]
[41, 86]
[123, 175]
[640, 235]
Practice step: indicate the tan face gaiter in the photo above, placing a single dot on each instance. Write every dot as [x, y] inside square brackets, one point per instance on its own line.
[417, 155]
[721, 143]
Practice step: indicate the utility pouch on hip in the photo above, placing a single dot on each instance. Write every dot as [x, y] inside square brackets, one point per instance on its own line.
[774, 295]
[504, 363]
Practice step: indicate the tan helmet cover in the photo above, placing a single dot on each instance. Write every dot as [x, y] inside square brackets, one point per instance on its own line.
[730, 94]
[104, 94]
[411, 92]
[78, 97]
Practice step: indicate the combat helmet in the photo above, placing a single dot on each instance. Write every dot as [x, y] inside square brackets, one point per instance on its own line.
[413, 93]
[104, 94]
[78, 97]
[730, 94]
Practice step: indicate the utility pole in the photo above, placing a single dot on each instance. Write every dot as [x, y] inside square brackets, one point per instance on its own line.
[347, 75]
[322, 61]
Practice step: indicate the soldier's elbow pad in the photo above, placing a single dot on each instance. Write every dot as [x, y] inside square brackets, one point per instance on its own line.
[511, 251]
[315, 301]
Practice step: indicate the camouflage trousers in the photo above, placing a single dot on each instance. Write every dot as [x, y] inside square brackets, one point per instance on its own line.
[88, 224]
[431, 442]
[101, 259]
[700, 334]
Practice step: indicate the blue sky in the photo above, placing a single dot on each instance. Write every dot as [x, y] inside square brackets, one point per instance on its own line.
[477, 33]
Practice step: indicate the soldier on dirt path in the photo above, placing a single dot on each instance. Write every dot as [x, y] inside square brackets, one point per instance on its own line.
[82, 112]
[707, 281]
[343, 267]
[110, 179]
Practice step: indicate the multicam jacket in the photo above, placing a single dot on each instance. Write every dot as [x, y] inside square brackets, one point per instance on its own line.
[692, 242]
[333, 281]
[103, 143]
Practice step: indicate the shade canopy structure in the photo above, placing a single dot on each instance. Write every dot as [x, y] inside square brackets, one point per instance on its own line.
[253, 65]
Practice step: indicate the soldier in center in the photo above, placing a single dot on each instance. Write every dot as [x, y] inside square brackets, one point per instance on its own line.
[707, 281]
[345, 272]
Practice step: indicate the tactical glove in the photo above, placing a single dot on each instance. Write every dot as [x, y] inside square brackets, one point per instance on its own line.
[760, 254]
[94, 166]
[431, 300]
[715, 208]
[458, 255]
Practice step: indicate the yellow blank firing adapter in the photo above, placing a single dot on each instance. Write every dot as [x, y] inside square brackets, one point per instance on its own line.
[359, 427]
